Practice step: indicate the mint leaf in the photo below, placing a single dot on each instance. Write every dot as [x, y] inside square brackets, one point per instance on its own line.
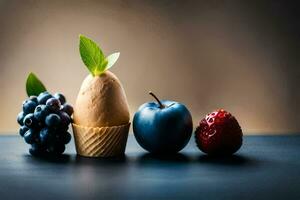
[112, 59]
[91, 55]
[34, 86]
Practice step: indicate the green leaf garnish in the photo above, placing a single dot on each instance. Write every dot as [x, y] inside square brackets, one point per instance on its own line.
[34, 86]
[112, 59]
[93, 57]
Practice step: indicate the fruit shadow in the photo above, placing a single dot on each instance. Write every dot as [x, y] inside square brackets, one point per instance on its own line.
[147, 158]
[61, 159]
[230, 160]
[122, 159]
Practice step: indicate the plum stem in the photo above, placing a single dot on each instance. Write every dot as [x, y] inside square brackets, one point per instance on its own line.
[158, 101]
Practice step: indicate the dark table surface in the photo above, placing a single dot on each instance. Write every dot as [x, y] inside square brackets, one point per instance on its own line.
[266, 167]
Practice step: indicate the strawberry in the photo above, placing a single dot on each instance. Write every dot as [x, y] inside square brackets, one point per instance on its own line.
[219, 133]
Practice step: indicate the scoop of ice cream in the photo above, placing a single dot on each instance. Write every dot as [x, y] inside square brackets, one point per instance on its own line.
[101, 102]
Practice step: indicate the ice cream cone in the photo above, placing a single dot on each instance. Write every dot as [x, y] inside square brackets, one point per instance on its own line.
[100, 141]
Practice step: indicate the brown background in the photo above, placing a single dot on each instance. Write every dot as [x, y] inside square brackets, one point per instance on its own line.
[239, 55]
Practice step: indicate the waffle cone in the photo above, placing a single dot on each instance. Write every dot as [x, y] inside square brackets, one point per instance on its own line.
[100, 141]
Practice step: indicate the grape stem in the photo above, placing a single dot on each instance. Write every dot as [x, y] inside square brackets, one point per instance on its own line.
[161, 106]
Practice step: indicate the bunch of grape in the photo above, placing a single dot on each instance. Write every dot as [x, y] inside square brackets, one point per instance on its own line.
[44, 123]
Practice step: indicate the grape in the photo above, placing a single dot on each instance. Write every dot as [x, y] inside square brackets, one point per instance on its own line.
[30, 136]
[46, 136]
[56, 149]
[67, 138]
[53, 104]
[37, 150]
[23, 130]
[20, 118]
[34, 98]
[29, 106]
[30, 121]
[44, 123]
[68, 109]
[52, 120]
[65, 119]
[43, 97]
[63, 137]
[40, 112]
[60, 97]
